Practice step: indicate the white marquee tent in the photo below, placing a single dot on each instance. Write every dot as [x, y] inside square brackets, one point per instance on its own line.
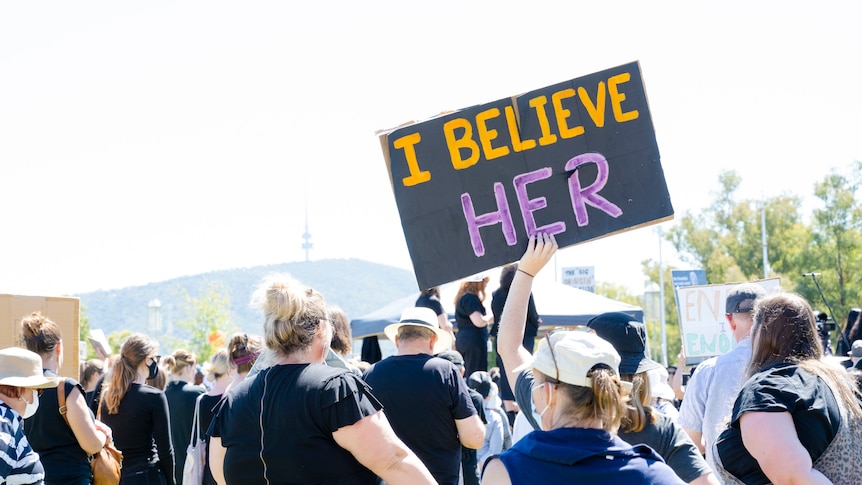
[557, 304]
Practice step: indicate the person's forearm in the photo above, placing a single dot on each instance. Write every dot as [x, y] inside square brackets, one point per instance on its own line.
[408, 471]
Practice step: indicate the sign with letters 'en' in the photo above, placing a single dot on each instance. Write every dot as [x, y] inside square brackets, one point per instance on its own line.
[702, 322]
[576, 159]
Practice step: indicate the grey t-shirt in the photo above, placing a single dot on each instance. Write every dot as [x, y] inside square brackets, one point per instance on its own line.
[670, 441]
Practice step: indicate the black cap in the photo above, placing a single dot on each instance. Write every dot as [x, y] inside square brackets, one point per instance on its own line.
[628, 336]
[452, 356]
[480, 381]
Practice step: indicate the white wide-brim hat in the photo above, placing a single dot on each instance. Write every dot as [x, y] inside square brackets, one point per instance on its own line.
[425, 318]
[22, 368]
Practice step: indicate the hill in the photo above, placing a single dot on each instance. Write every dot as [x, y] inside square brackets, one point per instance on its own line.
[357, 286]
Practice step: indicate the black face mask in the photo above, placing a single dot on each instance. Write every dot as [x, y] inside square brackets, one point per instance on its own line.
[153, 367]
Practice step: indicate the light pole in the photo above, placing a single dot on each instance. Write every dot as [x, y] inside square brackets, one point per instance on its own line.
[154, 316]
[651, 316]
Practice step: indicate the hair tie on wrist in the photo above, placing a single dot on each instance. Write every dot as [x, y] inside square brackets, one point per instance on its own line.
[528, 274]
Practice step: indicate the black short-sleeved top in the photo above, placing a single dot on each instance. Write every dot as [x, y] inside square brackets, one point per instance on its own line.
[780, 388]
[467, 304]
[181, 398]
[498, 302]
[205, 418]
[278, 425]
[141, 430]
[53, 439]
[422, 397]
[431, 302]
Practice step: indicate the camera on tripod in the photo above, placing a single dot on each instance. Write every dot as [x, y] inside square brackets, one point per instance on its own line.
[824, 323]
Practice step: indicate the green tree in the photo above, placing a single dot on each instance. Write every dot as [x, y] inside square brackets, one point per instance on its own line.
[84, 331]
[674, 343]
[205, 319]
[836, 244]
[725, 239]
[617, 292]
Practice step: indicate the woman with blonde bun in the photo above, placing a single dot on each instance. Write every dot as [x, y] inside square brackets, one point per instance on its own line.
[299, 420]
[182, 396]
[218, 371]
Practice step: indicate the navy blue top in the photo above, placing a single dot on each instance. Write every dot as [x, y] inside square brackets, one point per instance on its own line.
[583, 456]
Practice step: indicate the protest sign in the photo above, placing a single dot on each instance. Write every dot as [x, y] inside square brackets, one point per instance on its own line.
[576, 159]
[580, 277]
[702, 323]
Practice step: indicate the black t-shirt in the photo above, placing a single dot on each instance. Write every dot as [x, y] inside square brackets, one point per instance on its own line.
[430, 302]
[780, 388]
[205, 417]
[53, 439]
[498, 301]
[141, 430]
[467, 304]
[422, 397]
[278, 424]
[181, 398]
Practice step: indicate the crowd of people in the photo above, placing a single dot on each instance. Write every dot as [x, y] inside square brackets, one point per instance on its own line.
[580, 404]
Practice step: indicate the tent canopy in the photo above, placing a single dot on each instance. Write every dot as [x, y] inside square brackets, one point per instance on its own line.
[557, 304]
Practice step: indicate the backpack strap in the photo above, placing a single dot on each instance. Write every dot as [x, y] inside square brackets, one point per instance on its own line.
[61, 399]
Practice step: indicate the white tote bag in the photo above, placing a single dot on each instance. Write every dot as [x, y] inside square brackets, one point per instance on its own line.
[196, 454]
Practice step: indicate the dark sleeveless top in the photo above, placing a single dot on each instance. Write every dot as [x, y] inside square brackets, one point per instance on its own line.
[53, 439]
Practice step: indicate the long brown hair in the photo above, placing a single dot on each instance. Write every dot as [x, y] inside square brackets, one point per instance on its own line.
[134, 350]
[785, 330]
[639, 413]
[474, 287]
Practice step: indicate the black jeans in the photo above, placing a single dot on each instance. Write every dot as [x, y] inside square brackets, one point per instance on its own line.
[149, 476]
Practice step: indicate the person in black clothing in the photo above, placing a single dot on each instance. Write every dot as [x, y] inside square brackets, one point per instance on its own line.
[298, 420]
[469, 461]
[138, 415]
[181, 395]
[430, 298]
[63, 444]
[218, 371]
[472, 337]
[426, 398]
[498, 301]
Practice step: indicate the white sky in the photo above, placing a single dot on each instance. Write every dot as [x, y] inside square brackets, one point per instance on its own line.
[142, 141]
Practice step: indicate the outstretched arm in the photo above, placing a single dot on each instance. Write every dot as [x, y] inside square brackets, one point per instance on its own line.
[540, 249]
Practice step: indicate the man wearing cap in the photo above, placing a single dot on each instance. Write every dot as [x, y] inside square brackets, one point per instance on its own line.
[20, 381]
[855, 355]
[424, 397]
[712, 389]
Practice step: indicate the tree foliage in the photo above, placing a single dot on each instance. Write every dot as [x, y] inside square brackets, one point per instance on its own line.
[206, 320]
[726, 241]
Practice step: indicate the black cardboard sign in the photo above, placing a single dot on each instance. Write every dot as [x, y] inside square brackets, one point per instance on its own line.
[578, 159]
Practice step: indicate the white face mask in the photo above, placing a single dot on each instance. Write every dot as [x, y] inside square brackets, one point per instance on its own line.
[31, 406]
[538, 416]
